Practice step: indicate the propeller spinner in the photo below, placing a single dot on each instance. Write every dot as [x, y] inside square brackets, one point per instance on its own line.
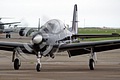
[37, 39]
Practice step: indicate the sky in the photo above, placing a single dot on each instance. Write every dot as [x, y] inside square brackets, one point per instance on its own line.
[91, 13]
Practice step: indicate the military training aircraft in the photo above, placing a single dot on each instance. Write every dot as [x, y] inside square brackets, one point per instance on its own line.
[55, 37]
[7, 31]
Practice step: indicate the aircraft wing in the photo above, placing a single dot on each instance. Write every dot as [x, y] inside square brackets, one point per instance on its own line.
[73, 49]
[10, 46]
[8, 23]
[85, 48]
[96, 35]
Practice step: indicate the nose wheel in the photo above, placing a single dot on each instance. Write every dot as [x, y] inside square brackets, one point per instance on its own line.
[38, 67]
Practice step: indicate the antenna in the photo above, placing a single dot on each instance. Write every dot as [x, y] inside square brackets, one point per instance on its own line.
[84, 22]
[39, 24]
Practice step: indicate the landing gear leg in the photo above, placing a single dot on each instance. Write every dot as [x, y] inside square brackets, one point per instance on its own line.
[16, 60]
[38, 66]
[91, 60]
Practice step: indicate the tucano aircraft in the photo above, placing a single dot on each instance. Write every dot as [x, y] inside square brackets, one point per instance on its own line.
[55, 37]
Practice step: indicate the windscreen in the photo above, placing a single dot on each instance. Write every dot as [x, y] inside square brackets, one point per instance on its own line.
[53, 26]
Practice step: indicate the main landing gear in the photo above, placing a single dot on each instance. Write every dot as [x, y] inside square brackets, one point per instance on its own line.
[91, 64]
[16, 64]
[16, 59]
[8, 35]
[92, 59]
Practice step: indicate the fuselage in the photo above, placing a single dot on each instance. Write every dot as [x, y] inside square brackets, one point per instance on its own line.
[1, 27]
[50, 35]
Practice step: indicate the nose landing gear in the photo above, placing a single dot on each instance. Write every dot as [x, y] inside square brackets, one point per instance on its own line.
[38, 66]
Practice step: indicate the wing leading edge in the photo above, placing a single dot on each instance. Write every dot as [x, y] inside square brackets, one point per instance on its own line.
[84, 48]
[10, 46]
[96, 35]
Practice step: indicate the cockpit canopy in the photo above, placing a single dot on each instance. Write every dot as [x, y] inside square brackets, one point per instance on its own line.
[53, 26]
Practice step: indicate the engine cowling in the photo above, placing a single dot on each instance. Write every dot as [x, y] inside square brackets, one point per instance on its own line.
[22, 32]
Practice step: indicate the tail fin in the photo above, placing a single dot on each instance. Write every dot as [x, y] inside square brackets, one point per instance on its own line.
[75, 20]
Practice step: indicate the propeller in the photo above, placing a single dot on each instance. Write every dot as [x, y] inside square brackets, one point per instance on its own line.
[41, 41]
[44, 41]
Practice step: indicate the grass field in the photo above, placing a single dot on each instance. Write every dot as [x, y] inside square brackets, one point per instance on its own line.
[98, 31]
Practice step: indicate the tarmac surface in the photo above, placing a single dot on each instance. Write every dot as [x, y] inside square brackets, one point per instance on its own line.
[61, 67]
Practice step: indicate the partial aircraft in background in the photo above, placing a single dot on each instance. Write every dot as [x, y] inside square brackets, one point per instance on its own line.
[55, 37]
[7, 31]
[29, 31]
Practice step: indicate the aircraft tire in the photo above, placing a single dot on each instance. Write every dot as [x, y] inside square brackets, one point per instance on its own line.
[16, 64]
[9, 36]
[91, 64]
[38, 67]
[6, 35]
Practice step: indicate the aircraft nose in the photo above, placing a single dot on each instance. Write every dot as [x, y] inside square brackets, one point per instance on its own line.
[37, 39]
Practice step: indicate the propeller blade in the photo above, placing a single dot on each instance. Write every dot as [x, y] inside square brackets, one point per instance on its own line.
[49, 48]
[28, 48]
